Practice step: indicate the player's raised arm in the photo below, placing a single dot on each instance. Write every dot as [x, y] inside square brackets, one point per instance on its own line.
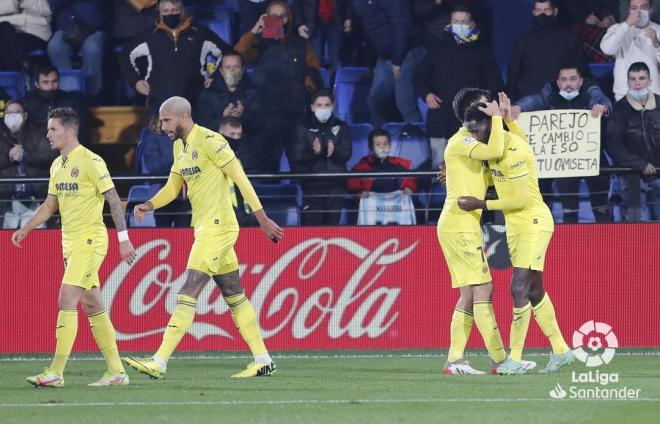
[235, 171]
[165, 195]
[43, 213]
[507, 115]
[126, 249]
[495, 147]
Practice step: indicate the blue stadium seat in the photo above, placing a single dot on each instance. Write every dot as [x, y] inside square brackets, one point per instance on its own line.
[360, 135]
[414, 147]
[325, 76]
[434, 201]
[13, 83]
[351, 91]
[281, 201]
[284, 163]
[139, 194]
[72, 80]
[221, 28]
[601, 70]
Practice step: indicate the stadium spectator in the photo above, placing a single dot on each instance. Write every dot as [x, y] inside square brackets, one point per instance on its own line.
[230, 94]
[250, 11]
[589, 20]
[48, 96]
[537, 53]
[322, 145]
[460, 60]
[286, 71]
[24, 151]
[132, 18]
[624, 5]
[166, 61]
[435, 15]
[24, 26]
[323, 22]
[633, 40]
[379, 160]
[389, 26]
[78, 25]
[571, 90]
[633, 139]
[232, 130]
[157, 158]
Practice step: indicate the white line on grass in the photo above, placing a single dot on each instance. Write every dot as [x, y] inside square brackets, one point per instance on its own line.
[302, 402]
[306, 356]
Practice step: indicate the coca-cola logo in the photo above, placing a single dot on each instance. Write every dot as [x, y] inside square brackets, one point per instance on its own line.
[298, 291]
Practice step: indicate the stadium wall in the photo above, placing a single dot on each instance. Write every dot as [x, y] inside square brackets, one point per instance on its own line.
[335, 288]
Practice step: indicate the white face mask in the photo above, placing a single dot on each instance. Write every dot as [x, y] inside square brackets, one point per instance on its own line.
[323, 115]
[462, 30]
[13, 121]
[643, 19]
[381, 152]
[569, 95]
[640, 94]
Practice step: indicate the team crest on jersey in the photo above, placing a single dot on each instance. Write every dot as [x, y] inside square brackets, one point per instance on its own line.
[335, 130]
[468, 139]
[75, 172]
[194, 154]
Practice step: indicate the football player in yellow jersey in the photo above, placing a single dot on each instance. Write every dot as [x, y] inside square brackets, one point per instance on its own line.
[529, 227]
[202, 160]
[79, 184]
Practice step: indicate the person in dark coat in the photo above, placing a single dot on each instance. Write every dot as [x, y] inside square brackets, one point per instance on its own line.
[322, 145]
[460, 60]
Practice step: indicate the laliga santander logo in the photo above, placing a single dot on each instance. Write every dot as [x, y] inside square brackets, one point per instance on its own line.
[594, 343]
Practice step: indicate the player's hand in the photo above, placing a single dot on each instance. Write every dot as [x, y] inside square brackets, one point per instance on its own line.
[598, 110]
[396, 71]
[259, 26]
[303, 31]
[441, 176]
[505, 106]
[469, 203]
[127, 252]
[270, 228]
[491, 109]
[648, 170]
[143, 87]
[632, 19]
[650, 32]
[592, 20]
[18, 237]
[140, 210]
[331, 148]
[515, 112]
[433, 101]
[316, 146]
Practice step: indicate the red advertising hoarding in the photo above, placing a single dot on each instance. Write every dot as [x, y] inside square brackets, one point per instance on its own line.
[335, 288]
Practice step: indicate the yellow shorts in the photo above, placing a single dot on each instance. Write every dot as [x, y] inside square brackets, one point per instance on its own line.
[213, 253]
[527, 250]
[465, 258]
[82, 261]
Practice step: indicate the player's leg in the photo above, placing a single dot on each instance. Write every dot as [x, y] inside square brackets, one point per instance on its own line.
[105, 337]
[244, 318]
[521, 280]
[484, 318]
[460, 329]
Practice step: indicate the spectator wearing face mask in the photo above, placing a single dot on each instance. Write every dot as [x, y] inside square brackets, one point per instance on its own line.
[322, 145]
[177, 58]
[24, 151]
[459, 60]
[48, 96]
[633, 40]
[570, 90]
[230, 94]
[537, 53]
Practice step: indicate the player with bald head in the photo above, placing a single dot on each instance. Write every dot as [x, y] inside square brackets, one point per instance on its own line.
[203, 160]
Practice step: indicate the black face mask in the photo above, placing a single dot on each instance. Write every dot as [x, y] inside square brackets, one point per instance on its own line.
[172, 21]
[543, 21]
[47, 94]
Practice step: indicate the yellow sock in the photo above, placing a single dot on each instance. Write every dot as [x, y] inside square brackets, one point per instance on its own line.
[484, 317]
[544, 313]
[106, 340]
[519, 326]
[461, 326]
[246, 321]
[65, 332]
[180, 322]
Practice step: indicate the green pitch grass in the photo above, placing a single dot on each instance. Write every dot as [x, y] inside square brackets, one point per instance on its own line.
[327, 387]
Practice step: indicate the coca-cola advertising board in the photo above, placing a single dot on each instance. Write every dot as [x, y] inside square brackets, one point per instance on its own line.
[335, 288]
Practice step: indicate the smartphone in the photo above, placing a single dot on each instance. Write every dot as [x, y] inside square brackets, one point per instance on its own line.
[273, 27]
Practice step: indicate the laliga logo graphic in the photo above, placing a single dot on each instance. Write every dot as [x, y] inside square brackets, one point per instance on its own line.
[594, 343]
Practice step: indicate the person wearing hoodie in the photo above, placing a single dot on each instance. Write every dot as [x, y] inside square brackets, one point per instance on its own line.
[322, 145]
[537, 53]
[175, 59]
[285, 73]
[24, 26]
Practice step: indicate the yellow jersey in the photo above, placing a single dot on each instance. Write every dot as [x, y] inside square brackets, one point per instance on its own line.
[518, 166]
[199, 162]
[79, 181]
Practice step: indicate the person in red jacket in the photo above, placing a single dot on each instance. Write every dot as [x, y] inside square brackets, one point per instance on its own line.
[379, 160]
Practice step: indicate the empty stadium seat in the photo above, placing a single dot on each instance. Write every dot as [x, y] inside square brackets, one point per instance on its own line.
[351, 90]
[414, 146]
[281, 201]
[72, 80]
[13, 83]
[360, 136]
[140, 194]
